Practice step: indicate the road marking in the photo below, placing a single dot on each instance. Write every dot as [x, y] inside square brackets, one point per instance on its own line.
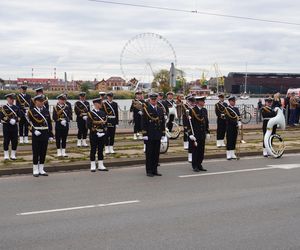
[227, 172]
[279, 166]
[286, 166]
[81, 207]
[225, 160]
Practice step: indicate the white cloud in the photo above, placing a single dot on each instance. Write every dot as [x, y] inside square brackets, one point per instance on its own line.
[86, 38]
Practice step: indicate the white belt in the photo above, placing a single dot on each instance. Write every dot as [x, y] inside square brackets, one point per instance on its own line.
[266, 118]
[41, 128]
[111, 116]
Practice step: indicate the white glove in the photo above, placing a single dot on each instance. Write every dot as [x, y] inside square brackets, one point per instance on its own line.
[193, 138]
[164, 139]
[100, 134]
[12, 121]
[37, 133]
[140, 113]
[166, 117]
[207, 136]
[145, 138]
[117, 126]
[51, 139]
[84, 117]
[239, 124]
[63, 122]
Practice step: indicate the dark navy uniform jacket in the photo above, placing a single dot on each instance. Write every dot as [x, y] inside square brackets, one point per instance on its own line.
[200, 123]
[153, 123]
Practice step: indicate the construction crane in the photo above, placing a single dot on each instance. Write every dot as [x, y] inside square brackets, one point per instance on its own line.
[219, 76]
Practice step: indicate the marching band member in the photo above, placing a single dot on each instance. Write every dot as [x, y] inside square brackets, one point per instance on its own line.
[70, 107]
[198, 132]
[40, 91]
[188, 144]
[110, 108]
[82, 107]
[233, 124]
[170, 103]
[153, 132]
[136, 108]
[61, 116]
[220, 108]
[97, 124]
[23, 102]
[10, 114]
[160, 103]
[102, 95]
[267, 113]
[41, 128]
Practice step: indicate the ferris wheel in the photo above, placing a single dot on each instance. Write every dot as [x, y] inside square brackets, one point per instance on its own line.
[144, 55]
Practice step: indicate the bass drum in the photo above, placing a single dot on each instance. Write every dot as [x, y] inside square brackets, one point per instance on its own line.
[164, 145]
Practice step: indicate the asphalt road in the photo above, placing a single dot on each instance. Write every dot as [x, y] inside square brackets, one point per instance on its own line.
[255, 207]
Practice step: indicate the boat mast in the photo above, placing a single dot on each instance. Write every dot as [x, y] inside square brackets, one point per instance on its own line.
[246, 78]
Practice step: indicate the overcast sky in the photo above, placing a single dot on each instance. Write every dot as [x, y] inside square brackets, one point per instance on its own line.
[86, 38]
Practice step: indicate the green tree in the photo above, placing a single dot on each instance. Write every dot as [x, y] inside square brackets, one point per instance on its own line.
[162, 80]
[84, 87]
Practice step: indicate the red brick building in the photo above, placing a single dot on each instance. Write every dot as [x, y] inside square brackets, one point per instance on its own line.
[36, 82]
[110, 84]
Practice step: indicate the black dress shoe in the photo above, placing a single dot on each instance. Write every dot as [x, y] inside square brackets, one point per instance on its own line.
[202, 169]
[45, 174]
[150, 175]
[104, 170]
[157, 174]
[93, 171]
[36, 175]
[196, 170]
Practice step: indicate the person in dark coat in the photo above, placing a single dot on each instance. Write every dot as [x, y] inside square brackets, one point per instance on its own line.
[187, 143]
[198, 132]
[137, 110]
[10, 115]
[153, 124]
[61, 116]
[41, 128]
[81, 109]
[111, 109]
[97, 124]
[233, 124]
[267, 113]
[220, 108]
[23, 102]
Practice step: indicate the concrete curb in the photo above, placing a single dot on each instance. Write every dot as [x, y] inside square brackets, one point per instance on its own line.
[118, 164]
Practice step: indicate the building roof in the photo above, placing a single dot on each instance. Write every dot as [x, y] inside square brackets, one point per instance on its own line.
[115, 79]
[262, 74]
[38, 80]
